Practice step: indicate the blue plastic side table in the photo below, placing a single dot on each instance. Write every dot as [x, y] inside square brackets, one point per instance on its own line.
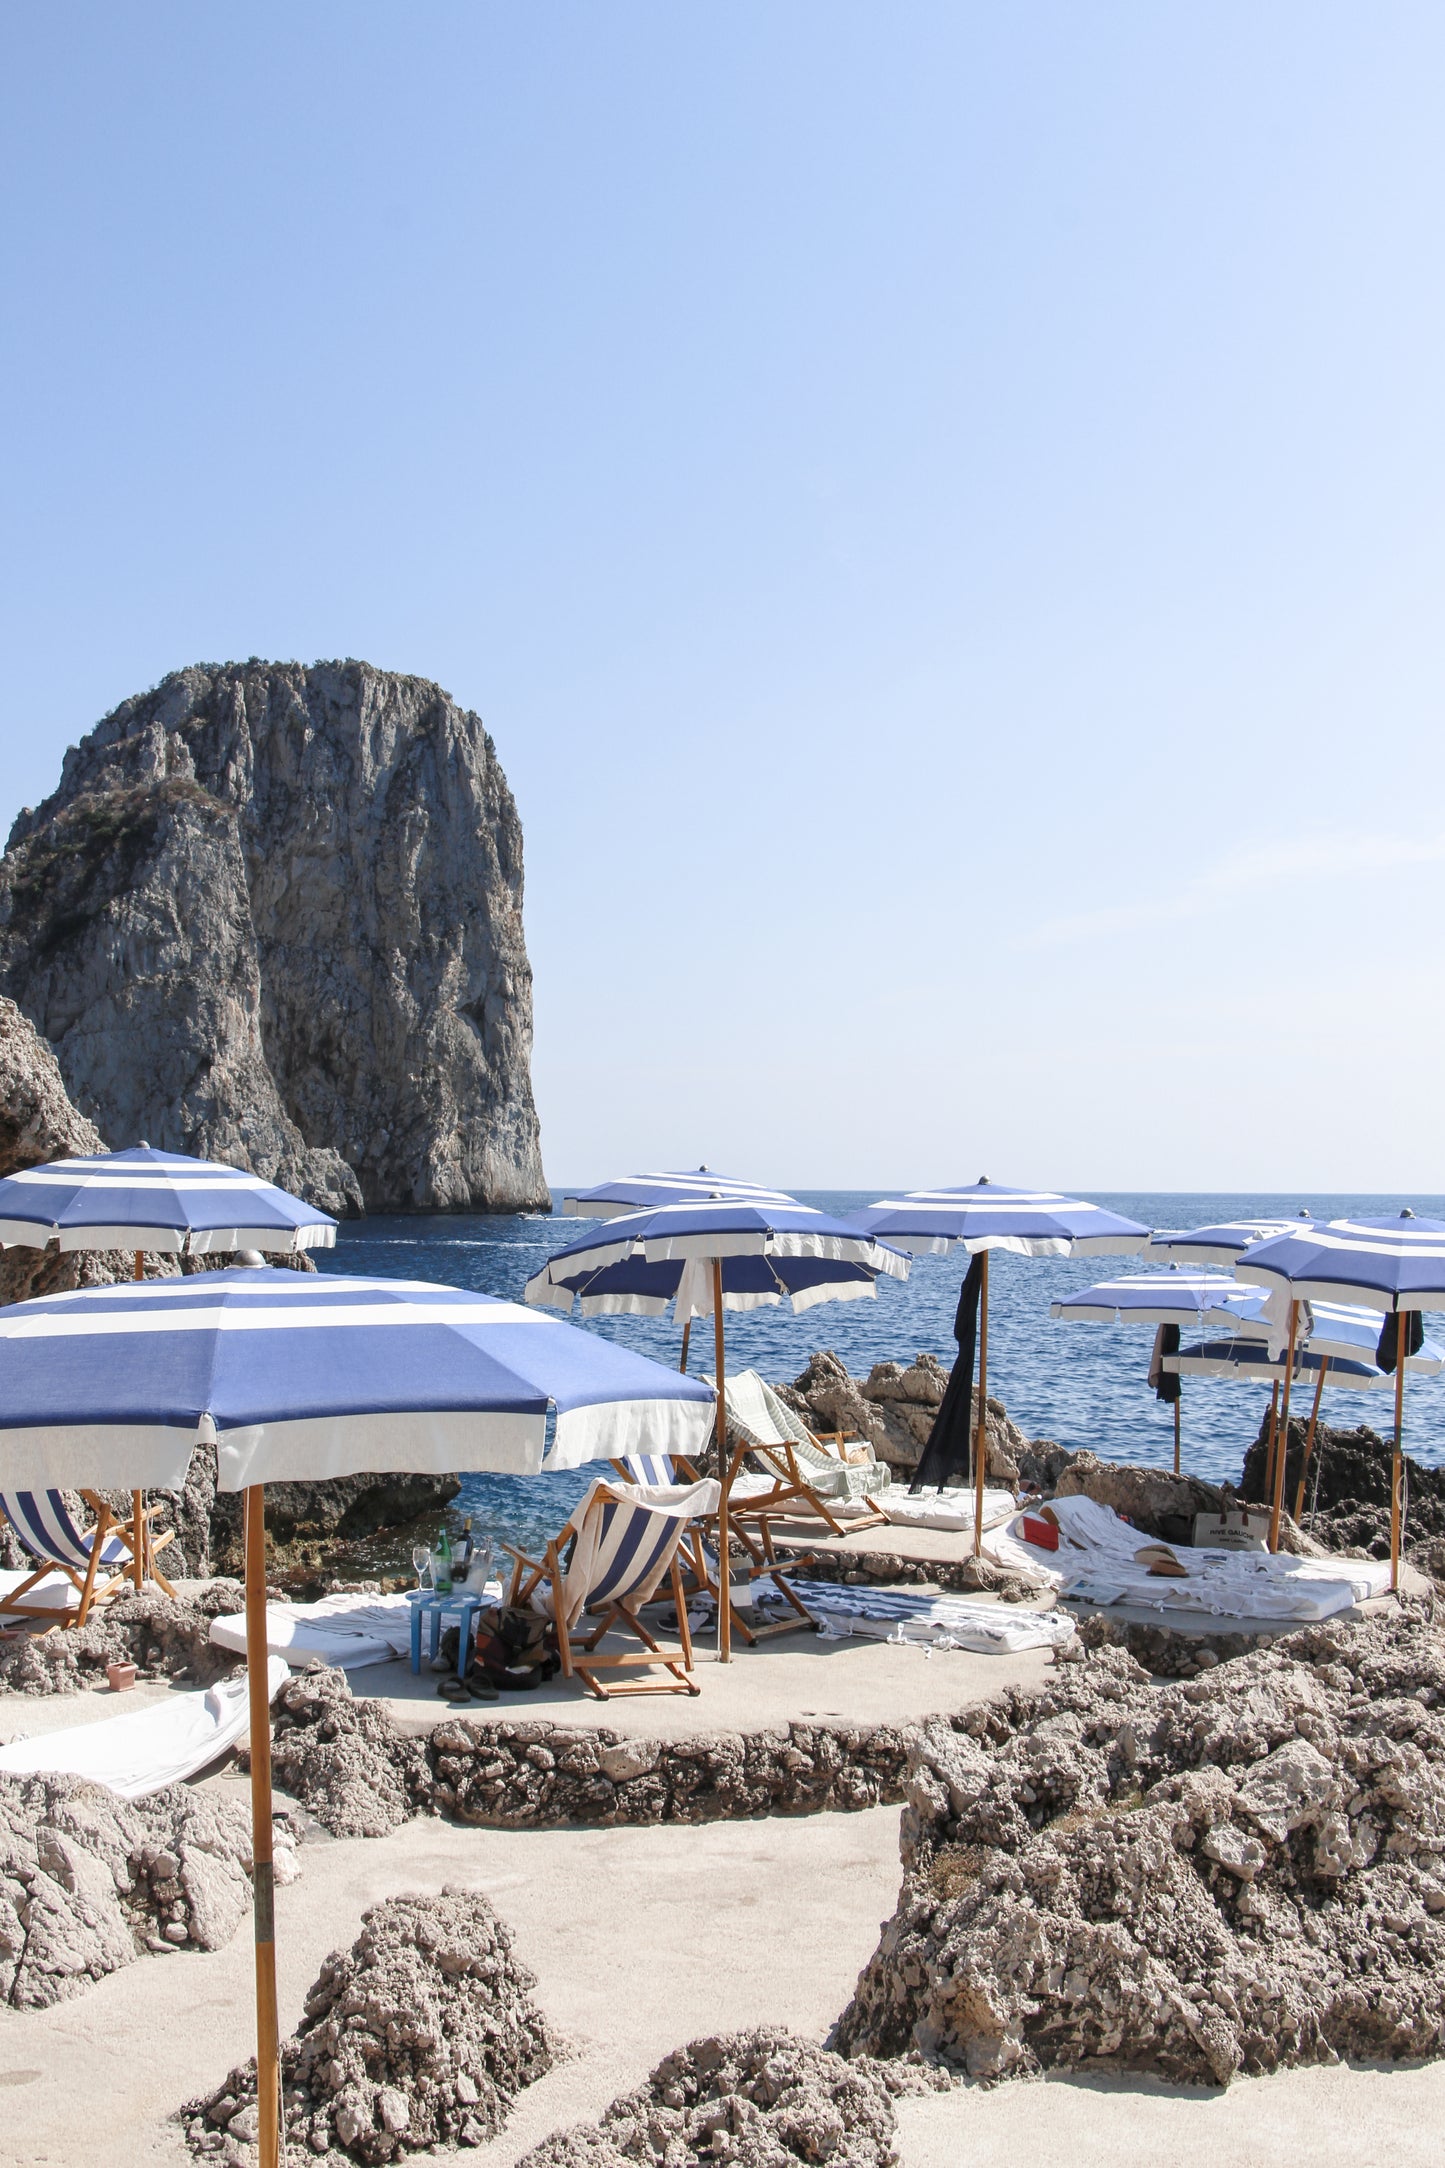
[425, 1602]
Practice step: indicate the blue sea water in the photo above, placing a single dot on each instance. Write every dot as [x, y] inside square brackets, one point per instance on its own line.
[1084, 1385]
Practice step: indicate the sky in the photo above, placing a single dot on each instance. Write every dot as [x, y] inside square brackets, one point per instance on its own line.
[940, 507]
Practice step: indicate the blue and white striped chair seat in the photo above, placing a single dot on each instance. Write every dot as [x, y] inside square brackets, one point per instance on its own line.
[632, 1545]
[618, 1548]
[42, 1521]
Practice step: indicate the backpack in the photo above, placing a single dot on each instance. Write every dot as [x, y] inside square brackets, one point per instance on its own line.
[515, 1648]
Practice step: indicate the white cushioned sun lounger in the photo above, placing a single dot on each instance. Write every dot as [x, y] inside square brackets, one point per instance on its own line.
[140, 1753]
[345, 1630]
[952, 1509]
[943, 1622]
[1100, 1559]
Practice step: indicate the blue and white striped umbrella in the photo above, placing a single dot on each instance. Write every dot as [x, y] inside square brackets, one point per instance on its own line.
[635, 1287]
[635, 1192]
[1393, 1266]
[146, 1200]
[1218, 1245]
[987, 1216]
[300, 1377]
[711, 1230]
[1250, 1362]
[710, 1244]
[1348, 1329]
[1165, 1298]
[1384, 1264]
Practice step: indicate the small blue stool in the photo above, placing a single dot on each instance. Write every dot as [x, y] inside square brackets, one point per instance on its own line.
[464, 1607]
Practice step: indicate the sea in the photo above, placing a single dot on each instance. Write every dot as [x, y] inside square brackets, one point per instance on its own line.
[1084, 1385]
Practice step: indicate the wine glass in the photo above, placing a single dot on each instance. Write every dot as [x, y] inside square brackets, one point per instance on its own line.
[421, 1560]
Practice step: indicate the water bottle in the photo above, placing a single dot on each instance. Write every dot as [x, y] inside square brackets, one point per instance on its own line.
[442, 1572]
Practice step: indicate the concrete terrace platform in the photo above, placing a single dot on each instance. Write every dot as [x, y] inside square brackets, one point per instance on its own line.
[797, 1678]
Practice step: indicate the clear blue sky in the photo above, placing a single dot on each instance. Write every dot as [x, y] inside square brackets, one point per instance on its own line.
[940, 507]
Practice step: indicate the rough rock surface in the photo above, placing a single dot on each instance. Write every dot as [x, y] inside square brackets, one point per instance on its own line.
[348, 1764]
[893, 1408]
[164, 1640]
[422, 2033]
[1347, 1497]
[89, 1882]
[759, 2099]
[1236, 1874]
[309, 1526]
[1158, 1502]
[273, 915]
[37, 1123]
[344, 1759]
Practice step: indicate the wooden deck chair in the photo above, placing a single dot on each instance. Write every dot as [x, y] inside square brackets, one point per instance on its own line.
[609, 1560]
[753, 1501]
[94, 1561]
[820, 1470]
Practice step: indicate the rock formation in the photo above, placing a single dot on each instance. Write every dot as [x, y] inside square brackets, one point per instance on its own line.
[273, 915]
[1232, 1875]
[758, 2099]
[89, 1882]
[38, 1122]
[1347, 1496]
[422, 2033]
[347, 1763]
[162, 1638]
[893, 1408]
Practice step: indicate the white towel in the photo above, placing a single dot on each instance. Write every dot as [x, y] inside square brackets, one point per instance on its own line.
[143, 1751]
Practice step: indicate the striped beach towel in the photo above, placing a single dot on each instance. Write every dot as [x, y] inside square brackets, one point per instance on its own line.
[941, 1622]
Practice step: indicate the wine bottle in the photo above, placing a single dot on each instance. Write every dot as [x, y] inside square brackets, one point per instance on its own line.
[461, 1565]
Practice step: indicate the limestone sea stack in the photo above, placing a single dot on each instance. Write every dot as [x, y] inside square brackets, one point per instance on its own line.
[273, 915]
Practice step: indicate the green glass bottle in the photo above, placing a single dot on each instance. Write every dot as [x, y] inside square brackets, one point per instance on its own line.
[444, 1563]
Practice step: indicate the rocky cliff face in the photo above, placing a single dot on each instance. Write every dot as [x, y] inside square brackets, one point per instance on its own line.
[273, 915]
[38, 1122]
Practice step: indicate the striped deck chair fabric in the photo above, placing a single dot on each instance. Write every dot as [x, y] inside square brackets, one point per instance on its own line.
[91, 1560]
[757, 1414]
[750, 1497]
[623, 1544]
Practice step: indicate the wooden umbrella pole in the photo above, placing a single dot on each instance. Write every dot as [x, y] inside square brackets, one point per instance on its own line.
[139, 1531]
[1281, 1452]
[724, 1561]
[1397, 1471]
[980, 1440]
[1304, 1466]
[1177, 1405]
[686, 1336]
[268, 2035]
[1273, 1435]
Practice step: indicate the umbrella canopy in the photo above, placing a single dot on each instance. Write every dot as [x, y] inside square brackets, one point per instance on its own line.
[988, 1216]
[302, 1377]
[634, 1286]
[714, 1228]
[1165, 1298]
[146, 1200]
[633, 1192]
[1218, 1245]
[1348, 1329]
[1249, 1362]
[1385, 1264]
